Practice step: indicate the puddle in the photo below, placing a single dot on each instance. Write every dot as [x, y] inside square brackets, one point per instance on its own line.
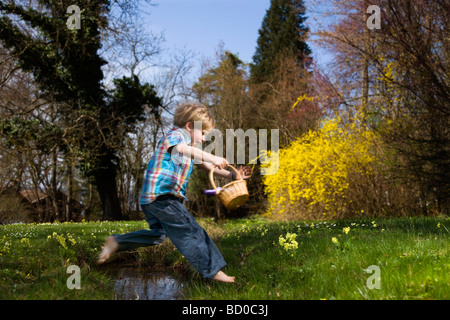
[144, 284]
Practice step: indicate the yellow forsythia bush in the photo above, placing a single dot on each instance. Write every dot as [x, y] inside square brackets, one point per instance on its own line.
[317, 172]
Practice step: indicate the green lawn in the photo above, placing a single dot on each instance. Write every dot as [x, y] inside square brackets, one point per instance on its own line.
[411, 255]
[317, 260]
[34, 259]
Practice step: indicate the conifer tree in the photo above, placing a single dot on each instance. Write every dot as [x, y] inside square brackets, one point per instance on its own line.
[282, 32]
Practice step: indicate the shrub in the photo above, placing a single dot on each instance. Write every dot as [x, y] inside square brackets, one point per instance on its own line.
[12, 210]
[325, 174]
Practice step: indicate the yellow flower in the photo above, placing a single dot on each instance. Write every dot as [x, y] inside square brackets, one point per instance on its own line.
[26, 242]
[315, 168]
[334, 240]
[289, 242]
[346, 230]
[438, 225]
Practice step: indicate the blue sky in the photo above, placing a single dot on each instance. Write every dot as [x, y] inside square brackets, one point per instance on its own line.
[200, 25]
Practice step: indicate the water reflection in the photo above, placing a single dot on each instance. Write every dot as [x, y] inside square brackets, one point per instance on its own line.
[139, 284]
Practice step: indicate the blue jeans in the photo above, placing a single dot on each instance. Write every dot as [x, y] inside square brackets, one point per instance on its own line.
[167, 217]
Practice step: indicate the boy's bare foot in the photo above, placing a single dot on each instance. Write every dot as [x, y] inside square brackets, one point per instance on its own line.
[222, 277]
[109, 248]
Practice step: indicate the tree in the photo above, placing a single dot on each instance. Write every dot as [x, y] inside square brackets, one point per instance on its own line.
[415, 42]
[67, 66]
[277, 103]
[282, 32]
[131, 103]
[280, 72]
[398, 75]
[224, 89]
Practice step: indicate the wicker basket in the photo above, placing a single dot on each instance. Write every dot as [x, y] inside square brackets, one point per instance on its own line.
[233, 194]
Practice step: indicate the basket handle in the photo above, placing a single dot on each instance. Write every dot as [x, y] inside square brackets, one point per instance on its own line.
[211, 178]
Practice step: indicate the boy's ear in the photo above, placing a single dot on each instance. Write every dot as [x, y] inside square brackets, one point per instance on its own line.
[188, 126]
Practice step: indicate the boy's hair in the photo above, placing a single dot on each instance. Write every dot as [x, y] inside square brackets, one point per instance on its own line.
[193, 111]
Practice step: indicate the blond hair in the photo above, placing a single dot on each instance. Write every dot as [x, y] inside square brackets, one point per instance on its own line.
[193, 111]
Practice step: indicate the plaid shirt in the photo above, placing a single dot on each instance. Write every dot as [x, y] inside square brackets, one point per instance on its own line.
[167, 172]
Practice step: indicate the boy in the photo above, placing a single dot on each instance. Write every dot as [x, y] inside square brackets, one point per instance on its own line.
[164, 190]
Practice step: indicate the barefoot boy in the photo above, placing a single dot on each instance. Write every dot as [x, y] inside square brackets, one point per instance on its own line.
[164, 190]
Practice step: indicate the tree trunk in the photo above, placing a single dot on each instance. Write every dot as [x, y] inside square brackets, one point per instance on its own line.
[105, 181]
[54, 186]
[365, 71]
[69, 191]
[88, 207]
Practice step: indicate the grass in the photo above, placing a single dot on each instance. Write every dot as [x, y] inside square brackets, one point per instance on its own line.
[34, 259]
[411, 254]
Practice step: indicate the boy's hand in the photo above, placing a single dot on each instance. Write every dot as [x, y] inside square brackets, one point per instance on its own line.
[244, 172]
[220, 163]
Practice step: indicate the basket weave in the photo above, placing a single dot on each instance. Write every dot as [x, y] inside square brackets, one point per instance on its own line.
[233, 194]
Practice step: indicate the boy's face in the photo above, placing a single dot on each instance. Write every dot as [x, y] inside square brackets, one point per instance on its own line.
[197, 134]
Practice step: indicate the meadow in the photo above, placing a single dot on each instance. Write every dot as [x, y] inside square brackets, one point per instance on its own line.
[358, 259]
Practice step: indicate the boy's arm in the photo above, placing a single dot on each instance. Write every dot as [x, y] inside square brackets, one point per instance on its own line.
[220, 172]
[197, 154]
